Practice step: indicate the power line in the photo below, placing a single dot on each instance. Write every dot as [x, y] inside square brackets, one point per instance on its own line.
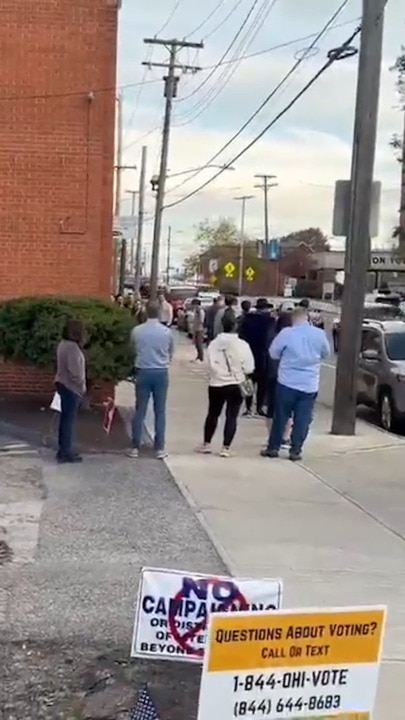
[270, 96]
[207, 19]
[127, 86]
[223, 21]
[226, 75]
[229, 48]
[149, 56]
[333, 56]
[169, 17]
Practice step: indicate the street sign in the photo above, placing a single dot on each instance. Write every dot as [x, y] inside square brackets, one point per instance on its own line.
[312, 663]
[229, 270]
[250, 274]
[213, 280]
[213, 265]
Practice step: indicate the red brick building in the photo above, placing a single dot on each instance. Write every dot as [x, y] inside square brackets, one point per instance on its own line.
[57, 107]
[57, 112]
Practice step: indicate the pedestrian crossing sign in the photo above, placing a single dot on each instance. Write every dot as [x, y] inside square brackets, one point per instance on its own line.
[250, 274]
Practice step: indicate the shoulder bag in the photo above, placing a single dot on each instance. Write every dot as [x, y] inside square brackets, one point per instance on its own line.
[246, 387]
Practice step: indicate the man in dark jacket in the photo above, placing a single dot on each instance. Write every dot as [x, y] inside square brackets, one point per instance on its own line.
[257, 329]
[210, 316]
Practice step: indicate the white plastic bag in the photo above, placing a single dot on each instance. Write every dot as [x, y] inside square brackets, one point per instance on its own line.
[56, 404]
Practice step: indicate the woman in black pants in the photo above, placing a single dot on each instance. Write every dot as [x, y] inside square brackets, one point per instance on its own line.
[230, 361]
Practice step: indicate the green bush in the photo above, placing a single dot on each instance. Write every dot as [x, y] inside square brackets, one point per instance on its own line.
[30, 329]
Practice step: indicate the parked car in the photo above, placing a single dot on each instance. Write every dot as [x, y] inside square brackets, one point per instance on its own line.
[380, 376]
[178, 295]
[372, 311]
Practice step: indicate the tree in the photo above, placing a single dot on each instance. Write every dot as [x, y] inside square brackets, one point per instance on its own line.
[313, 238]
[210, 235]
[397, 143]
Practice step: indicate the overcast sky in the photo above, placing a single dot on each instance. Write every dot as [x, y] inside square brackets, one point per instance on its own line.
[308, 149]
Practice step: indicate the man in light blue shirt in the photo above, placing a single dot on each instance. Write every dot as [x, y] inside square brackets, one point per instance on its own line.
[153, 346]
[300, 350]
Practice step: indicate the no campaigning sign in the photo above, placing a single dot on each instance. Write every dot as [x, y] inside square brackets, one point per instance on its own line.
[173, 608]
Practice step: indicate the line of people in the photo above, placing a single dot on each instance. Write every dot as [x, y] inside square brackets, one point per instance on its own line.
[281, 358]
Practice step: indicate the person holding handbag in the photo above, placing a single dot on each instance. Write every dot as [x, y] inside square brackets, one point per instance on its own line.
[230, 362]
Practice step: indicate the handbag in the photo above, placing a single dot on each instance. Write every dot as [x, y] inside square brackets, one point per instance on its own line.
[246, 387]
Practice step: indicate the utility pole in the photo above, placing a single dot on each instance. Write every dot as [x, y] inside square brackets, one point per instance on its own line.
[170, 91]
[133, 194]
[358, 241]
[243, 200]
[266, 186]
[141, 213]
[169, 247]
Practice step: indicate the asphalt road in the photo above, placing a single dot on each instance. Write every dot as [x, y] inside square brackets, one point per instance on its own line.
[79, 536]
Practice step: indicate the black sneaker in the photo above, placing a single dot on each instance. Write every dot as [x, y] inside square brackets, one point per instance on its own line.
[70, 459]
[269, 453]
[295, 456]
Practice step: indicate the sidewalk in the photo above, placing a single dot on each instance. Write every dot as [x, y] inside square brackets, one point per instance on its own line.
[332, 526]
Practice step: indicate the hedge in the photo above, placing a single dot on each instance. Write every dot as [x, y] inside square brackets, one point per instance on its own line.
[30, 329]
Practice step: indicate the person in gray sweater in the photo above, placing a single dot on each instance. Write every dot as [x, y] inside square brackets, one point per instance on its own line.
[230, 307]
[71, 385]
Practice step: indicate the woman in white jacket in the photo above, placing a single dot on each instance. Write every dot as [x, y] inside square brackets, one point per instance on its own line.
[230, 360]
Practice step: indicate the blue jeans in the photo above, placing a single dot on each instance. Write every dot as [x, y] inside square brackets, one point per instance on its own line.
[150, 383]
[70, 403]
[293, 404]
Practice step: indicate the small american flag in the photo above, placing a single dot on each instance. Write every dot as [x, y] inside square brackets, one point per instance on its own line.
[145, 707]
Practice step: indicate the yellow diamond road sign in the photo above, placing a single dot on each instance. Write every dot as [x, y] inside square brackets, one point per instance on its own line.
[250, 274]
[213, 279]
[229, 269]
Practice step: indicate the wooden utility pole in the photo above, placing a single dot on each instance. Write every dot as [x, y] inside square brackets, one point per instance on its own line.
[358, 240]
[141, 215]
[266, 187]
[241, 259]
[170, 91]
[133, 194]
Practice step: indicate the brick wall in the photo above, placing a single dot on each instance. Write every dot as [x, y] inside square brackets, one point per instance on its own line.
[56, 153]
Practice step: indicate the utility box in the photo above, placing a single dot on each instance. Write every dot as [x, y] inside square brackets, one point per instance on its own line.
[341, 209]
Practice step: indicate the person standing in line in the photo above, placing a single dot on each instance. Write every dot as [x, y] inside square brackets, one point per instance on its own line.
[165, 310]
[256, 329]
[230, 361]
[231, 303]
[300, 350]
[284, 320]
[198, 328]
[70, 383]
[210, 316]
[246, 307]
[153, 346]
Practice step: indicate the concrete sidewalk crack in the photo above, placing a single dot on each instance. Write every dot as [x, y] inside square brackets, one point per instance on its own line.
[355, 503]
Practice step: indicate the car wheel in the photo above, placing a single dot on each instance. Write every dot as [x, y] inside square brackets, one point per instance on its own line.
[387, 415]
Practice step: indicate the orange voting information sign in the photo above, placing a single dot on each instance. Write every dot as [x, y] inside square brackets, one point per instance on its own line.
[314, 664]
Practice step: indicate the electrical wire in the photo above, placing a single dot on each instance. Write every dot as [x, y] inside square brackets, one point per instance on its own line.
[223, 21]
[270, 96]
[207, 19]
[113, 88]
[227, 74]
[227, 51]
[169, 17]
[337, 54]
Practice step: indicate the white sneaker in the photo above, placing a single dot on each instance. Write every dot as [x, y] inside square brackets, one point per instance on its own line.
[203, 449]
[162, 454]
[133, 453]
[225, 453]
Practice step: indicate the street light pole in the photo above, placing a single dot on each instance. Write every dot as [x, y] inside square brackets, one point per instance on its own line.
[358, 239]
[141, 215]
[243, 200]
